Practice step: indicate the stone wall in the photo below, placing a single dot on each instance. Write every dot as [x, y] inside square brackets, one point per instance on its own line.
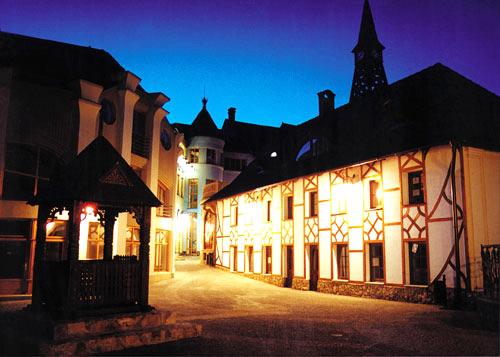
[414, 294]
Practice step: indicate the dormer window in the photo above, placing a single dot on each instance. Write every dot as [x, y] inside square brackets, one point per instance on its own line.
[312, 147]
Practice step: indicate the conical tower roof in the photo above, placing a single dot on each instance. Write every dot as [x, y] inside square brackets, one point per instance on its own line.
[367, 39]
[203, 124]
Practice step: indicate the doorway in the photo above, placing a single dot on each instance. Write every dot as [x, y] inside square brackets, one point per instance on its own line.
[313, 267]
[288, 252]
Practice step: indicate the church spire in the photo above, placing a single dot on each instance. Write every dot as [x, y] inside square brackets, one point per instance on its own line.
[369, 73]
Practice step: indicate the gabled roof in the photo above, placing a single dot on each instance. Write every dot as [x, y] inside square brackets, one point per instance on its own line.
[429, 108]
[56, 63]
[98, 174]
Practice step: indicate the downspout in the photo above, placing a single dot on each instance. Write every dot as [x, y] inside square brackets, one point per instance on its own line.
[455, 226]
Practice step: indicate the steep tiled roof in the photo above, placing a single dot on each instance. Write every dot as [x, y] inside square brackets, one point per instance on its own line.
[429, 108]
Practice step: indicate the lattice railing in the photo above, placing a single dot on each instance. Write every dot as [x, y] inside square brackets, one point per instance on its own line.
[490, 255]
[106, 283]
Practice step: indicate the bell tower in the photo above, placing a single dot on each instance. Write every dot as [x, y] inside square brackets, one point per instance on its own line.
[369, 73]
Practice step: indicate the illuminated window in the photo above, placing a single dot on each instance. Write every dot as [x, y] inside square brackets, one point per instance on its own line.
[161, 250]
[313, 204]
[56, 240]
[413, 188]
[133, 241]
[211, 156]
[376, 261]
[234, 216]
[95, 241]
[194, 156]
[267, 211]
[375, 194]
[193, 193]
[288, 208]
[342, 261]
[165, 210]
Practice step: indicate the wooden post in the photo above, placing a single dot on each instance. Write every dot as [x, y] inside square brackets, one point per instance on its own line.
[455, 228]
[144, 256]
[41, 236]
[109, 224]
[74, 231]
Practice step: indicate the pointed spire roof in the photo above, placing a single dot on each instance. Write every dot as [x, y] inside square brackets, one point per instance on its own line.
[367, 39]
[203, 124]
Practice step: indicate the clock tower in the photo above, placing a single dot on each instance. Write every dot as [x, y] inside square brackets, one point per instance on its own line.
[369, 73]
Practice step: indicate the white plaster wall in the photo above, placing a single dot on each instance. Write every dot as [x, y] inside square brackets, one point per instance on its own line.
[390, 173]
[324, 186]
[440, 243]
[276, 253]
[392, 210]
[436, 167]
[324, 215]
[325, 258]
[355, 238]
[298, 238]
[393, 255]
[356, 266]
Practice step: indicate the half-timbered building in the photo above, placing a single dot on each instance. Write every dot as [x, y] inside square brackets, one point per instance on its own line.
[391, 195]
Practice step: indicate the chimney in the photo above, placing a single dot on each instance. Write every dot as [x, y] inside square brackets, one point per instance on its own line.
[326, 103]
[231, 114]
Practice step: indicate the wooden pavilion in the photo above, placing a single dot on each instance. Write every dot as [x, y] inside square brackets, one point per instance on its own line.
[101, 179]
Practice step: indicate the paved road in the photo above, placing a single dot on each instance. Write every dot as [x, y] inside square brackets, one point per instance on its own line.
[241, 316]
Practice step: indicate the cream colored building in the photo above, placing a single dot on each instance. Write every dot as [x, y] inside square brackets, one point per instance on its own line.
[51, 110]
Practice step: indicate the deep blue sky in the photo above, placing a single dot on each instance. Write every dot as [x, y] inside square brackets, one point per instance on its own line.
[267, 58]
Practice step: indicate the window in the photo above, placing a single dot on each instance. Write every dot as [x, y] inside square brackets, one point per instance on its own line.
[180, 186]
[313, 204]
[194, 156]
[249, 250]
[234, 164]
[209, 181]
[165, 210]
[375, 194]
[27, 168]
[161, 250]
[413, 190]
[376, 261]
[14, 236]
[268, 260]
[56, 236]
[211, 156]
[133, 241]
[140, 142]
[417, 257]
[342, 261]
[288, 208]
[234, 216]
[267, 211]
[95, 241]
[193, 193]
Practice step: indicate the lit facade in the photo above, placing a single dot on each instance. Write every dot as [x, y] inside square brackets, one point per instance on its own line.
[379, 228]
[48, 116]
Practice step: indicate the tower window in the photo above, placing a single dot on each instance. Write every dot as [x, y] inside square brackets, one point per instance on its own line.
[194, 156]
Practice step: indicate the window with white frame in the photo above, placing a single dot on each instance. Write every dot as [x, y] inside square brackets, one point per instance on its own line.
[312, 204]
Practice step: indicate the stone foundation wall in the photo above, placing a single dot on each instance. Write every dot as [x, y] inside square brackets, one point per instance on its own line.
[414, 294]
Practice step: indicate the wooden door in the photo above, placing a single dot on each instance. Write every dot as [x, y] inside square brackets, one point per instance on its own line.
[313, 267]
[289, 266]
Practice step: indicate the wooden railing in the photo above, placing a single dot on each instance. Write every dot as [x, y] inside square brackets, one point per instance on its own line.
[140, 145]
[164, 211]
[490, 255]
[93, 284]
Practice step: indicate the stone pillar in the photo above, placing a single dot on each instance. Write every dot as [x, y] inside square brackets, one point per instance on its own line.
[144, 256]
[41, 236]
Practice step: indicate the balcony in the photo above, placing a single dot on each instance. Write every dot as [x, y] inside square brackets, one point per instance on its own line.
[140, 145]
[164, 211]
[211, 189]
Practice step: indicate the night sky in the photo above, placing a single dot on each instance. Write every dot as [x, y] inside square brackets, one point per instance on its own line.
[267, 58]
